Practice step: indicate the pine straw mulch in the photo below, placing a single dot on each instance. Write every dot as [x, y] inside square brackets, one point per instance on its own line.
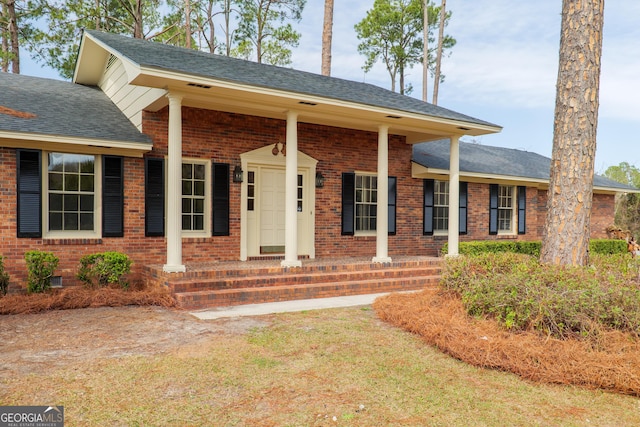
[611, 363]
[77, 297]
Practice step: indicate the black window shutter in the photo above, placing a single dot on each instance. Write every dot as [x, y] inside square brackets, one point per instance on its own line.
[463, 208]
[522, 210]
[220, 202]
[112, 196]
[348, 203]
[493, 209]
[393, 191]
[29, 190]
[154, 197]
[427, 212]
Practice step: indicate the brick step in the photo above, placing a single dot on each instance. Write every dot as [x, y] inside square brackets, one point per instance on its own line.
[301, 278]
[220, 270]
[229, 297]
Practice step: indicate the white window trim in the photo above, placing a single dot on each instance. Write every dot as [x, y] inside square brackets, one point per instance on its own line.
[97, 202]
[363, 233]
[437, 232]
[514, 217]
[207, 200]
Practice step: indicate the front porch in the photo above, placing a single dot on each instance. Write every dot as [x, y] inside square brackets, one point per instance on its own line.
[220, 284]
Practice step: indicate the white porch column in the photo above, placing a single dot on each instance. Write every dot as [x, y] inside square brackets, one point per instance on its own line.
[291, 194]
[454, 195]
[382, 214]
[174, 192]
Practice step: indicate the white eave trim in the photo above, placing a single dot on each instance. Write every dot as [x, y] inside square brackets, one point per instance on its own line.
[18, 140]
[419, 171]
[463, 126]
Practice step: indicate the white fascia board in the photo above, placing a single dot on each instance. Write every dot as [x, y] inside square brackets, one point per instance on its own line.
[419, 171]
[20, 140]
[296, 96]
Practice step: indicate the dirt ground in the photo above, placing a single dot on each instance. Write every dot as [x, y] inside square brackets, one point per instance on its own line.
[34, 343]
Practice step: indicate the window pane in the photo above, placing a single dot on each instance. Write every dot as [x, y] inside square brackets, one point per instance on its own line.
[55, 221]
[187, 172]
[252, 177]
[71, 202]
[198, 222]
[198, 188]
[55, 162]
[187, 188]
[71, 182]
[86, 221]
[299, 180]
[86, 165]
[186, 222]
[186, 205]
[71, 221]
[86, 203]
[250, 191]
[198, 172]
[55, 181]
[55, 202]
[198, 206]
[71, 163]
[250, 204]
[86, 183]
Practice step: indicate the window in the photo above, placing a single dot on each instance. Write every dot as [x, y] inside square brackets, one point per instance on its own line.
[251, 190]
[359, 204]
[195, 196]
[66, 195]
[436, 207]
[300, 193]
[441, 206]
[202, 213]
[507, 209]
[71, 194]
[366, 202]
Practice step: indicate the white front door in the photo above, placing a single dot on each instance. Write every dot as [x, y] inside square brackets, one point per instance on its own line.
[263, 204]
[271, 202]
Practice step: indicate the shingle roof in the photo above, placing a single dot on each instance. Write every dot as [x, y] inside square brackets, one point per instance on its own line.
[484, 159]
[191, 62]
[59, 108]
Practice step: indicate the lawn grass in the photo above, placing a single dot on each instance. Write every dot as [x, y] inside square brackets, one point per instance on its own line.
[304, 370]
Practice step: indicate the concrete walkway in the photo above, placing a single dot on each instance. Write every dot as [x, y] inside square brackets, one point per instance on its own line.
[286, 306]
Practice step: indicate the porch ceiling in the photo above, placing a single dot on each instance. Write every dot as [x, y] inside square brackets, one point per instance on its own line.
[264, 102]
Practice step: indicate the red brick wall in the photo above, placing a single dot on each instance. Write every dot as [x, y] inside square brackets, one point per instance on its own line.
[223, 137]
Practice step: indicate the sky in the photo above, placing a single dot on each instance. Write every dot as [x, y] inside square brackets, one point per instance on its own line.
[503, 69]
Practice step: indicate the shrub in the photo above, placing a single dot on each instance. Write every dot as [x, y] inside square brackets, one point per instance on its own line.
[104, 269]
[596, 246]
[563, 302]
[4, 278]
[40, 268]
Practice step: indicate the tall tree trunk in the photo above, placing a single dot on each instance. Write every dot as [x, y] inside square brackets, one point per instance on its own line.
[12, 28]
[327, 35]
[567, 227]
[425, 49]
[4, 37]
[436, 78]
[187, 23]
[137, 20]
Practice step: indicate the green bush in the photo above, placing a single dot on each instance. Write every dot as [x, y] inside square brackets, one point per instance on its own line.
[40, 268]
[596, 246]
[563, 302]
[4, 278]
[104, 269]
[607, 246]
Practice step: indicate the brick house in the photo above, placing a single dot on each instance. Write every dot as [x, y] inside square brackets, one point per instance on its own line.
[177, 157]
